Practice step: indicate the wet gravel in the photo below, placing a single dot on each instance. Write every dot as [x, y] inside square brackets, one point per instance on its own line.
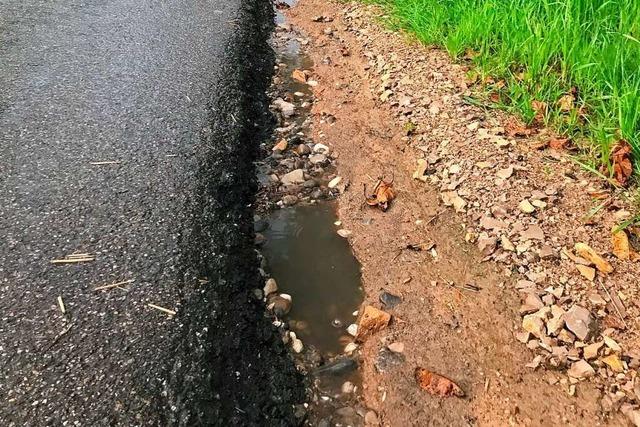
[169, 92]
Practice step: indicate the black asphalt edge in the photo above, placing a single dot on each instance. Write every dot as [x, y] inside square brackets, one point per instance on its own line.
[230, 366]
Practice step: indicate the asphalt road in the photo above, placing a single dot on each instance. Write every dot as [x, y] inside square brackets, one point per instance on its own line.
[168, 93]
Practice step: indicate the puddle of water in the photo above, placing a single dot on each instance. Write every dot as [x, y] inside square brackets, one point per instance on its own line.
[317, 268]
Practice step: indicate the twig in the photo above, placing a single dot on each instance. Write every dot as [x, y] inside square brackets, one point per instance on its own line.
[61, 305]
[113, 285]
[166, 310]
[73, 258]
[613, 304]
[60, 335]
[107, 162]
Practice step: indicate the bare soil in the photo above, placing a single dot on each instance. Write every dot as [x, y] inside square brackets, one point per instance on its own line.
[464, 333]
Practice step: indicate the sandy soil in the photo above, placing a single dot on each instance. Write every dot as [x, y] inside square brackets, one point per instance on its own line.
[466, 335]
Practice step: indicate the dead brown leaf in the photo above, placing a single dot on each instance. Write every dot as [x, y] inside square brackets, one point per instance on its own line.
[566, 102]
[299, 75]
[540, 108]
[620, 242]
[558, 143]
[621, 161]
[382, 195]
[437, 384]
[515, 127]
[585, 251]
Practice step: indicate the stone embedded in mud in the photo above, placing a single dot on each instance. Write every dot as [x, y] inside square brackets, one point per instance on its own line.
[396, 347]
[389, 300]
[289, 200]
[526, 207]
[334, 182]
[352, 329]
[371, 321]
[296, 345]
[281, 145]
[280, 305]
[590, 352]
[343, 232]
[350, 348]
[286, 108]
[532, 303]
[293, 177]
[388, 360]
[533, 232]
[318, 159]
[491, 223]
[533, 324]
[270, 287]
[339, 366]
[321, 149]
[579, 321]
[487, 245]
[303, 149]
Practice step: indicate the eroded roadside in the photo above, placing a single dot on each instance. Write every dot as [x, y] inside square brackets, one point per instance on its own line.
[460, 312]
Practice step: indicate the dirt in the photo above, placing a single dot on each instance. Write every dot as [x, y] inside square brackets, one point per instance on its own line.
[459, 311]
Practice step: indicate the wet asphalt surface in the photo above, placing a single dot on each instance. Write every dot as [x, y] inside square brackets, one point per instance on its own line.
[171, 92]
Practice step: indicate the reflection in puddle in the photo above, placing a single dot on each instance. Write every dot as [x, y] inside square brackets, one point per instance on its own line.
[317, 268]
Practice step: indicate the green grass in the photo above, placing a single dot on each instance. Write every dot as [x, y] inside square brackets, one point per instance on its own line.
[542, 49]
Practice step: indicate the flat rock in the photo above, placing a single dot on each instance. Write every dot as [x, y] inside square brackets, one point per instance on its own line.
[532, 303]
[286, 108]
[533, 232]
[334, 182]
[613, 361]
[270, 287]
[526, 206]
[490, 223]
[579, 321]
[590, 352]
[534, 325]
[581, 369]
[317, 159]
[293, 177]
[396, 347]
[487, 245]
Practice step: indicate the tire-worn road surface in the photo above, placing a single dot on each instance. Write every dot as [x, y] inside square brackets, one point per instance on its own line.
[172, 92]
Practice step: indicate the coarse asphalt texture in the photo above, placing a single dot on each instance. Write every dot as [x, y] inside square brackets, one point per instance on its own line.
[128, 130]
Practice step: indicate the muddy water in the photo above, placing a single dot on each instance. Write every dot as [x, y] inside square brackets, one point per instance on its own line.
[317, 268]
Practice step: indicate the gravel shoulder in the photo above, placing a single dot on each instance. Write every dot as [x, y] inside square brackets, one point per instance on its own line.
[128, 139]
[399, 106]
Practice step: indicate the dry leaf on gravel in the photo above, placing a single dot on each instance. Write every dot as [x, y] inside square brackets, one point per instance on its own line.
[620, 242]
[299, 75]
[382, 194]
[515, 127]
[558, 143]
[621, 161]
[437, 384]
[585, 251]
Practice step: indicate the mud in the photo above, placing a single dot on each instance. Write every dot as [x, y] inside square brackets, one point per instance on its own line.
[457, 314]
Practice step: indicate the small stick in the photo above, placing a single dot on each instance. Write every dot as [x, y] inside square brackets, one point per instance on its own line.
[614, 304]
[108, 162]
[83, 255]
[166, 310]
[61, 305]
[113, 285]
[71, 260]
